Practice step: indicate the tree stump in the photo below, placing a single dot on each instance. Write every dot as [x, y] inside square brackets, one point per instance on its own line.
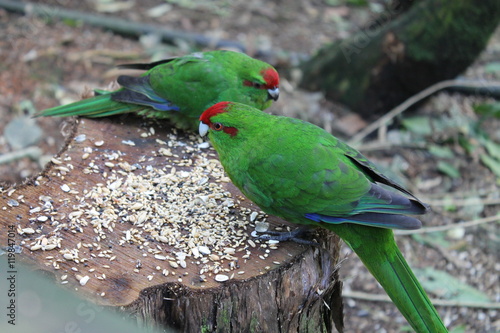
[141, 217]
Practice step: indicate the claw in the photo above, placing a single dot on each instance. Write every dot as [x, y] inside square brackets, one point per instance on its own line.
[283, 236]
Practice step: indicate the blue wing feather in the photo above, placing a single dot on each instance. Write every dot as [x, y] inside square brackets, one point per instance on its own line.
[137, 90]
[378, 208]
[379, 220]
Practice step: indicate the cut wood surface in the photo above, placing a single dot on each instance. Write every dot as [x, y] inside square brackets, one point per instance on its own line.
[139, 216]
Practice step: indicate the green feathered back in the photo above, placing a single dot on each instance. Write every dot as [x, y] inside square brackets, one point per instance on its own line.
[291, 168]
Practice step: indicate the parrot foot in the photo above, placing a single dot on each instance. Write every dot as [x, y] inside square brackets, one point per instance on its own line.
[283, 236]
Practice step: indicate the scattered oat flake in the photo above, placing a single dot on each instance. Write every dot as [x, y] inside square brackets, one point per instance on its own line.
[12, 203]
[35, 210]
[28, 230]
[65, 188]
[80, 138]
[165, 151]
[160, 257]
[203, 145]
[83, 281]
[128, 142]
[42, 218]
[261, 226]
[99, 143]
[169, 209]
[221, 277]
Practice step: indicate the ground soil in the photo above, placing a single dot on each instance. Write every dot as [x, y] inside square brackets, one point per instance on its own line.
[49, 62]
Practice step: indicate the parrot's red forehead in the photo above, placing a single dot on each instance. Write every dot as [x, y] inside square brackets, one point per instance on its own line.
[271, 77]
[215, 109]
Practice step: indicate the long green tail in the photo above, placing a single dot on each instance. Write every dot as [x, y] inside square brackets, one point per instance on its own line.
[98, 106]
[377, 249]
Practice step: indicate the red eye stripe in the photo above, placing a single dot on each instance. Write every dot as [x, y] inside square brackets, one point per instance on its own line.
[232, 131]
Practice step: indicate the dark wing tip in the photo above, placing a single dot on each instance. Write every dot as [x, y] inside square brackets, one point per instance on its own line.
[145, 66]
[377, 220]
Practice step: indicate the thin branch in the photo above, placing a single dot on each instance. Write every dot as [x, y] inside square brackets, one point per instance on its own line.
[462, 202]
[460, 194]
[385, 119]
[468, 224]
[379, 145]
[32, 152]
[121, 26]
[436, 302]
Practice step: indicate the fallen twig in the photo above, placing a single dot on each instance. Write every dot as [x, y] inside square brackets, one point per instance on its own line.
[437, 302]
[385, 119]
[377, 145]
[121, 26]
[460, 194]
[463, 202]
[32, 152]
[467, 224]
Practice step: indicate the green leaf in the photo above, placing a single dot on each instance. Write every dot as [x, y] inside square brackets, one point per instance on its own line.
[418, 125]
[449, 204]
[466, 144]
[473, 207]
[492, 67]
[448, 169]
[357, 2]
[488, 109]
[22, 132]
[492, 148]
[333, 2]
[72, 23]
[432, 239]
[441, 151]
[448, 287]
[492, 163]
[458, 329]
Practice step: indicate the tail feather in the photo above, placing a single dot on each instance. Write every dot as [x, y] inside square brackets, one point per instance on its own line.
[409, 296]
[377, 249]
[98, 106]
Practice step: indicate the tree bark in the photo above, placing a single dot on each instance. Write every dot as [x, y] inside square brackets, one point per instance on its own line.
[380, 67]
[70, 222]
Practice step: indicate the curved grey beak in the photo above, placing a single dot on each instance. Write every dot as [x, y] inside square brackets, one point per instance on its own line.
[203, 129]
[273, 93]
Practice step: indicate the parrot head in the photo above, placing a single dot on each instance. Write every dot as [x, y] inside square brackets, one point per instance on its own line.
[269, 80]
[258, 82]
[229, 124]
[216, 118]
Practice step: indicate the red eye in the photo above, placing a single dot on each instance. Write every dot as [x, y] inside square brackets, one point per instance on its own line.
[257, 85]
[217, 126]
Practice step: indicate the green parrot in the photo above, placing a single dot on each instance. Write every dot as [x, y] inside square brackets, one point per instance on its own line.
[303, 174]
[182, 88]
